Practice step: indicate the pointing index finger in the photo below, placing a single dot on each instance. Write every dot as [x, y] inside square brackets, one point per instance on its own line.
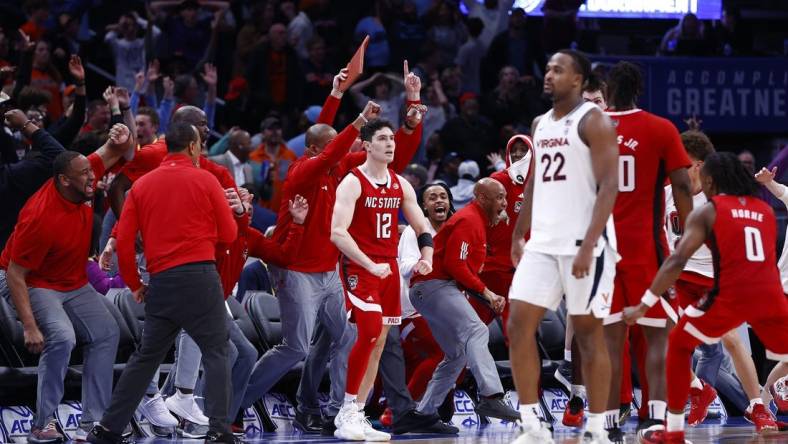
[405, 70]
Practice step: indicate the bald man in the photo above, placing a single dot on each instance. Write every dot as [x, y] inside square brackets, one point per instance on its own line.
[460, 251]
[236, 159]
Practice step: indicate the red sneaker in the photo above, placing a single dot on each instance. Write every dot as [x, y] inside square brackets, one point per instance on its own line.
[779, 391]
[386, 418]
[573, 414]
[781, 426]
[700, 400]
[762, 418]
[674, 437]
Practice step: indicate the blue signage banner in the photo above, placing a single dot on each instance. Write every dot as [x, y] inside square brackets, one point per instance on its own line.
[729, 95]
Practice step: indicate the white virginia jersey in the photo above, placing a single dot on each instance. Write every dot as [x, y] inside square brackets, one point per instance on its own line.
[565, 188]
[701, 261]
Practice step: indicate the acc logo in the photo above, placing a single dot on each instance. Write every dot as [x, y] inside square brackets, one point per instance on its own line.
[15, 423]
[69, 414]
[281, 411]
[253, 426]
[352, 281]
[464, 410]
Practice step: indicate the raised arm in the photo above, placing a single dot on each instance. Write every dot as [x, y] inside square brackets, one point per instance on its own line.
[696, 230]
[348, 193]
[331, 105]
[597, 130]
[523, 224]
[766, 177]
[118, 144]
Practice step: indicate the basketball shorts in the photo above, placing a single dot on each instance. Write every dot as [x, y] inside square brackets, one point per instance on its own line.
[691, 288]
[631, 282]
[765, 310]
[367, 292]
[543, 279]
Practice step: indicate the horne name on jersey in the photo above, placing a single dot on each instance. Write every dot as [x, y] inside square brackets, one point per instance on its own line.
[382, 202]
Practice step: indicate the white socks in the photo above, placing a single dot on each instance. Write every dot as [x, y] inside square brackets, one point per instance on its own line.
[755, 401]
[349, 399]
[611, 419]
[596, 423]
[675, 422]
[567, 355]
[696, 384]
[657, 409]
[529, 416]
[579, 391]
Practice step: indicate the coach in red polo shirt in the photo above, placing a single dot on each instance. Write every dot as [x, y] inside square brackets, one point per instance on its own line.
[181, 213]
[44, 266]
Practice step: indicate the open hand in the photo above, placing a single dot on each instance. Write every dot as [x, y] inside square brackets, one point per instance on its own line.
[299, 207]
[765, 176]
[76, 69]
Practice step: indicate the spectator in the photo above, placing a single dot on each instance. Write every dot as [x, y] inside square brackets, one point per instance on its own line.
[67, 40]
[45, 75]
[147, 123]
[729, 36]
[384, 94]
[494, 16]
[98, 116]
[560, 24]
[451, 83]
[254, 33]
[65, 129]
[748, 160]
[469, 134]
[519, 47]
[446, 30]
[270, 162]
[378, 51]
[188, 32]
[463, 191]
[439, 110]
[685, 39]
[300, 30]
[128, 47]
[308, 118]
[416, 175]
[236, 159]
[595, 90]
[319, 72]
[449, 169]
[274, 76]
[470, 55]
[407, 33]
[38, 13]
[507, 103]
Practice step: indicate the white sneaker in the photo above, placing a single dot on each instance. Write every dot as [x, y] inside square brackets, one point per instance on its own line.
[350, 424]
[542, 435]
[186, 407]
[595, 438]
[370, 434]
[155, 410]
[81, 435]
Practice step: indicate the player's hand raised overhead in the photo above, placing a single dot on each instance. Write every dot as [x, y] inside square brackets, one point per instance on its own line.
[371, 111]
[765, 176]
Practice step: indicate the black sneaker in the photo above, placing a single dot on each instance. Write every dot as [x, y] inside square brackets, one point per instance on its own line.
[221, 437]
[307, 422]
[100, 435]
[413, 421]
[496, 408]
[328, 428]
[615, 435]
[624, 412]
[440, 428]
[563, 374]
[446, 409]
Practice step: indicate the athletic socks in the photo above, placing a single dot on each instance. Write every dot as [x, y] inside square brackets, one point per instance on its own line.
[349, 399]
[611, 419]
[579, 391]
[567, 355]
[596, 423]
[696, 384]
[675, 422]
[656, 410]
[529, 416]
[755, 401]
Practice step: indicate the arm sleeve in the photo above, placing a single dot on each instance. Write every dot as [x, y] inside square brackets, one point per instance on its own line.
[674, 154]
[226, 228]
[304, 172]
[220, 146]
[407, 145]
[127, 227]
[70, 128]
[272, 252]
[409, 253]
[458, 246]
[329, 111]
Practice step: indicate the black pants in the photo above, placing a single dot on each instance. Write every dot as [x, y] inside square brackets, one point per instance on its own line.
[185, 297]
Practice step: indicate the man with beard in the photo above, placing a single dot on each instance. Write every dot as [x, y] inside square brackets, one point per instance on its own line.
[43, 274]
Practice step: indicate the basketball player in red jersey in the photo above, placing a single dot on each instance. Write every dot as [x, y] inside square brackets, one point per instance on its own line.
[364, 229]
[498, 271]
[650, 150]
[741, 231]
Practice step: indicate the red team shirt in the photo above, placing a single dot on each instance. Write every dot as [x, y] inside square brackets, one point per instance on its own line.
[52, 237]
[650, 148]
[376, 216]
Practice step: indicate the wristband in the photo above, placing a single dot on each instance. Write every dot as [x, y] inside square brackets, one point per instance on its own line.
[424, 240]
[649, 298]
[363, 118]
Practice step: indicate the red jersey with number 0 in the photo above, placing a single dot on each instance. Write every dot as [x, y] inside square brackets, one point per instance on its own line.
[376, 217]
[650, 148]
[743, 244]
